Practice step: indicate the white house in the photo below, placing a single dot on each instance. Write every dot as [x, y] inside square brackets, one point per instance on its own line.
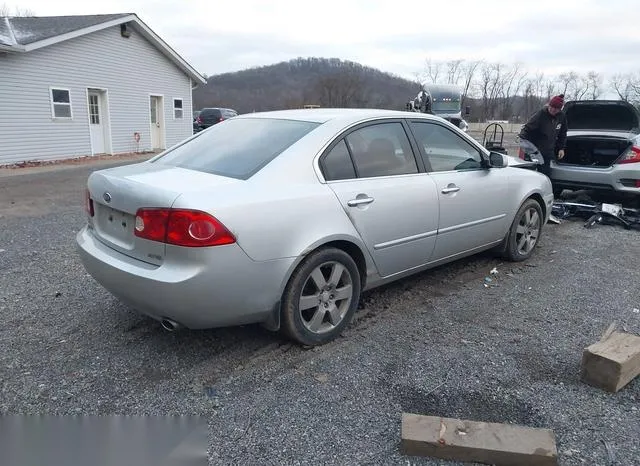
[83, 85]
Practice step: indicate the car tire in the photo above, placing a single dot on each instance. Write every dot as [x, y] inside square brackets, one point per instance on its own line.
[314, 323]
[528, 222]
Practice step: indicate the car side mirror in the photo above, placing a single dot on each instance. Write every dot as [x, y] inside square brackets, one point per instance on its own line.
[497, 160]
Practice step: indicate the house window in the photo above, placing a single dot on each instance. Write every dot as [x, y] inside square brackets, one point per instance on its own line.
[177, 109]
[61, 103]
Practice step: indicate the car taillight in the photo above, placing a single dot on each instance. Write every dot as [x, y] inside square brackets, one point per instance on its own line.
[151, 224]
[181, 227]
[521, 153]
[89, 204]
[198, 120]
[630, 156]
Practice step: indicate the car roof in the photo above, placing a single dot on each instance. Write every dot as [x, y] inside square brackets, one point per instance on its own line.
[346, 115]
[217, 108]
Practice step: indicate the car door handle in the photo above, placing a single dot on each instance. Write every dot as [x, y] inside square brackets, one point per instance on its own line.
[360, 201]
[450, 189]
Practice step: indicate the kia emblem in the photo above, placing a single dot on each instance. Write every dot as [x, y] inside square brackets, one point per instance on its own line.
[107, 197]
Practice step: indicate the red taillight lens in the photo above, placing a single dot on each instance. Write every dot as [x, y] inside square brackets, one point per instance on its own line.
[521, 153]
[198, 120]
[151, 224]
[89, 204]
[181, 227]
[631, 156]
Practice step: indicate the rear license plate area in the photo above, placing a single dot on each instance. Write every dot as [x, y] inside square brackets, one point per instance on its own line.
[115, 225]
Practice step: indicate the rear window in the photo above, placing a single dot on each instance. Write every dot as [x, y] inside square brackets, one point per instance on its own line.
[237, 148]
[210, 112]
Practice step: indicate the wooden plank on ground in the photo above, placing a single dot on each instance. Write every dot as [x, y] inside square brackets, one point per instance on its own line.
[481, 442]
[611, 363]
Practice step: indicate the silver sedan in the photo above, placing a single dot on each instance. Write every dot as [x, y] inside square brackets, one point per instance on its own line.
[284, 218]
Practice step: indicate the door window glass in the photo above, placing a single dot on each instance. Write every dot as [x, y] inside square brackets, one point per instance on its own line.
[445, 150]
[382, 149]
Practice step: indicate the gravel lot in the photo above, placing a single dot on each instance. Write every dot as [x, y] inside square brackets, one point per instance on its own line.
[440, 343]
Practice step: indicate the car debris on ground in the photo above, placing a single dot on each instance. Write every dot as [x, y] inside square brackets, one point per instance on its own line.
[594, 212]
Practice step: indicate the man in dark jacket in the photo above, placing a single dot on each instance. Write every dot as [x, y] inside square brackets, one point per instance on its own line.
[547, 130]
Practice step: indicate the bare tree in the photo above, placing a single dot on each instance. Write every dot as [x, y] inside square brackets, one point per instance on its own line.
[539, 85]
[491, 87]
[582, 87]
[550, 88]
[469, 71]
[512, 82]
[569, 83]
[343, 88]
[433, 70]
[529, 96]
[634, 84]
[595, 81]
[620, 84]
[627, 86]
[454, 71]
[5, 10]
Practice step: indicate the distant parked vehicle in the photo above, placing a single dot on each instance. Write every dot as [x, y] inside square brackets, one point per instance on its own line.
[285, 217]
[208, 117]
[602, 150]
[196, 127]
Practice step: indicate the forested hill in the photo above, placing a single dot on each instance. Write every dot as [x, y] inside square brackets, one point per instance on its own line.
[303, 81]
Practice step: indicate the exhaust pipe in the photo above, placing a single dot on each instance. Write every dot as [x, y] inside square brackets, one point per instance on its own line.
[170, 325]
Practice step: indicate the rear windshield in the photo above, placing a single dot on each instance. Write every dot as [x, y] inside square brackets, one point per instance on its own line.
[237, 148]
[211, 112]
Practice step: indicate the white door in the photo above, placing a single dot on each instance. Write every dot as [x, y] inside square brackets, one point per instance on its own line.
[96, 124]
[157, 123]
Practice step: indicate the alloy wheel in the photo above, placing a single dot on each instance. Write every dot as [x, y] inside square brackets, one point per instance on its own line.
[528, 231]
[326, 297]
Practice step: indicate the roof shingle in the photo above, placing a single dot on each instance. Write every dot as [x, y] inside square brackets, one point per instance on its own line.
[31, 29]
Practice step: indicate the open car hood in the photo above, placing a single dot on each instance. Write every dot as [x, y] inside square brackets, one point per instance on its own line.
[601, 115]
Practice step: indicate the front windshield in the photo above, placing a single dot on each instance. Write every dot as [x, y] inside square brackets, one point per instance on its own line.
[445, 106]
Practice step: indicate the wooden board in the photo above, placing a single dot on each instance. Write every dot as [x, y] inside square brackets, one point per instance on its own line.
[611, 363]
[481, 442]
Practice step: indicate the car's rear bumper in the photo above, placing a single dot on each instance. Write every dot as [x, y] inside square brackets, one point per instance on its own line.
[618, 178]
[221, 287]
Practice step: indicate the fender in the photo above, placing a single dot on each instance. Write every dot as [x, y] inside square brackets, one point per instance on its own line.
[273, 322]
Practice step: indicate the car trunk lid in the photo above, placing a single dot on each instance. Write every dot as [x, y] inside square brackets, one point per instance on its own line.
[602, 115]
[118, 193]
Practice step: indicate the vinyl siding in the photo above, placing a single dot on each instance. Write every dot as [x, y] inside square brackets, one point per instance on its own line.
[129, 69]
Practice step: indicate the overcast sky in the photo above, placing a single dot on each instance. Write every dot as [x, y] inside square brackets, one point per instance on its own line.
[396, 36]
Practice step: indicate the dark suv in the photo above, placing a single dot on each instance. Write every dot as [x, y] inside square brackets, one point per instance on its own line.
[210, 116]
